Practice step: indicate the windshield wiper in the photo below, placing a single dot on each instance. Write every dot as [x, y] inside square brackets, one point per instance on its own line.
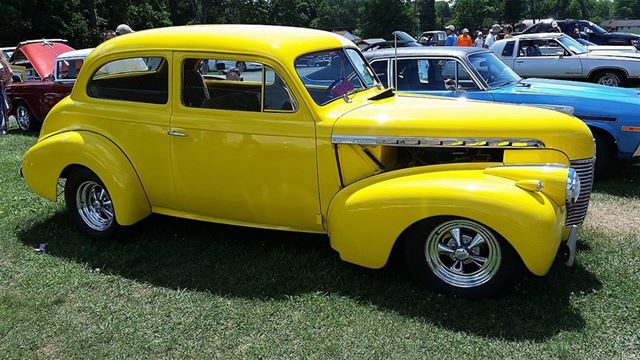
[346, 95]
[502, 84]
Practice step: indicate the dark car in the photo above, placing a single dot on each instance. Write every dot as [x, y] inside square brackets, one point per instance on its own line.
[588, 31]
[52, 67]
[433, 38]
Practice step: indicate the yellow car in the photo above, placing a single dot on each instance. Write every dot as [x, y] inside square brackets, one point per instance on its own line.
[470, 192]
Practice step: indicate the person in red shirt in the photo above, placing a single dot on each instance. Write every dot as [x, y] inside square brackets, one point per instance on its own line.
[465, 39]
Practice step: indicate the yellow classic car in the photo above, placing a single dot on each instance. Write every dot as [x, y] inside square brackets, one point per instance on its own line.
[471, 192]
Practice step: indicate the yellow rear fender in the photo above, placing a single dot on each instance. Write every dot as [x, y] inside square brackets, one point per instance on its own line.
[45, 162]
[366, 218]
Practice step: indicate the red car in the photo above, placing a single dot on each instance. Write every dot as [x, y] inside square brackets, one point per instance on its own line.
[49, 78]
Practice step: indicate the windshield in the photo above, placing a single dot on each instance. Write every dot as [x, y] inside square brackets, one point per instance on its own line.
[331, 74]
[572, 45]
[597, 28]
[494, 72]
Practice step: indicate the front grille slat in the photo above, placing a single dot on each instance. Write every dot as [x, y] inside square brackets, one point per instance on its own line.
[578, 211]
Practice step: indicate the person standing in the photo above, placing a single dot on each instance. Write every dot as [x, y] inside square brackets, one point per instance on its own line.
[493, 35]
[465, 39]
[479, 41]
[123, 29]
[507, 32]
[451, 37]
[555, 28]
[6, 78]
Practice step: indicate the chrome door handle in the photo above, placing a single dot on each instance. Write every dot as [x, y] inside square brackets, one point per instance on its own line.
[176, 133]
[519, 61]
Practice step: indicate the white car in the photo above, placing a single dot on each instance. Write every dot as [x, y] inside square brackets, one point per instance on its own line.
[558, 56]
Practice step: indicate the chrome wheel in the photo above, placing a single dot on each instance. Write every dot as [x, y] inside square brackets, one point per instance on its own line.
[609, 80]
[463, 253]
[94, 205]
[23, 118]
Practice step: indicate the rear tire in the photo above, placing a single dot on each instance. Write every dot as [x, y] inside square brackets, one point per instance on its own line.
[609, 78]
[461, 257]
[89, 204]
[24, 117]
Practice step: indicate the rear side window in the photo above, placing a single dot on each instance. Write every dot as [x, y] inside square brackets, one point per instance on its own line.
[380, 67]
[139, 79]
[508, 49]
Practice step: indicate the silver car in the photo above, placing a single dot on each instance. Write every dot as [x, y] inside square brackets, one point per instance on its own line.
[558, 56]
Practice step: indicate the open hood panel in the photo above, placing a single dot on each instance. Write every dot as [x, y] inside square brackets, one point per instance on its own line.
[41, 54]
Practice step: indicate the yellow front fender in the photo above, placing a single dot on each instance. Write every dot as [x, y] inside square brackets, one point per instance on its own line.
[44, 163]
[366, 218]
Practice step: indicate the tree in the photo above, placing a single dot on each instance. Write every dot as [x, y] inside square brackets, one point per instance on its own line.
[513, 11]
[382, 17]
[443, 13]
[427, 14]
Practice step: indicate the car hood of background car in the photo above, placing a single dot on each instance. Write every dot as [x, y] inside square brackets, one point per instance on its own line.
[611, 55]
[434, 117]
[562, 89]
[41, 55]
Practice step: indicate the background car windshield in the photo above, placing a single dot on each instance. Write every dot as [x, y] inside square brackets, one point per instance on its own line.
[597, 28]
[329, 75]
[573, 45]
[493, 70]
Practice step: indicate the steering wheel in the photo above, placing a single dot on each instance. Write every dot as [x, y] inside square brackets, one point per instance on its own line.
[334, 85]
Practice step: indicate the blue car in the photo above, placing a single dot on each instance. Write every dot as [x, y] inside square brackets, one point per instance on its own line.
[478, 74]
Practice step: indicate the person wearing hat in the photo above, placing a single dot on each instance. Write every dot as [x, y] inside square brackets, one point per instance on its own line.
[451, 37]
[507, 32]
[465, 39]
[493, 35]
[555, 28]
[123, 29]
[479, 41]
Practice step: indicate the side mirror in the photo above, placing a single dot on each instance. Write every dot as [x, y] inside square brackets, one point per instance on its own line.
[450, 85]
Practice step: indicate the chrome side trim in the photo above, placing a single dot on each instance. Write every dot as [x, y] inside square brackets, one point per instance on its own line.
[636, 153]
[554, 165]
[437, 142]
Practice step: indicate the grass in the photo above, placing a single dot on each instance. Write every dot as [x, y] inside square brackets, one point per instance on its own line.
[182, 289]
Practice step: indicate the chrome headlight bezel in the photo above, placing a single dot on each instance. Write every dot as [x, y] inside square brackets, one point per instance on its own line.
[573, 187]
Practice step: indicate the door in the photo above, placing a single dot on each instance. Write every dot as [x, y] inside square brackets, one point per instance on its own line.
[546, 58]
[243, 151]
[440, 77]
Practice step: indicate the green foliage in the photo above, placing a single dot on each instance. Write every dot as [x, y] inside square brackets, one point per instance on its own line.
[83, 21]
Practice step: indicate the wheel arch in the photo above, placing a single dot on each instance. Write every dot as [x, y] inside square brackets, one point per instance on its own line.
[367, 224]
[593, 72]
[58, 155]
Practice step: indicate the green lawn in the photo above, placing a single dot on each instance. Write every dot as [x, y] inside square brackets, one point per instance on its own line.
[183, 289]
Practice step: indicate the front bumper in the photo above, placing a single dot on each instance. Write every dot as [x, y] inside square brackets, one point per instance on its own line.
[568, 249]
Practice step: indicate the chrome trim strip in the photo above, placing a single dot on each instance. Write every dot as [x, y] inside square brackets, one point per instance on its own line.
[500, 143]
[636, 153]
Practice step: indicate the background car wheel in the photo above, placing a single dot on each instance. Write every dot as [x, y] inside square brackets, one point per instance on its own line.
[605, 152]
[241, 66]
[24, 117]
[461, 257]
[89, 204]
[609, 78]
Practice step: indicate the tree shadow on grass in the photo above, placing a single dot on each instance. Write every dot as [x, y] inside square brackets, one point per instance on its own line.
[623, 180]
[261, 264]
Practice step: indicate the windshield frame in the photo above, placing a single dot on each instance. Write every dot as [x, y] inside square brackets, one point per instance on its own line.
[376, 80]
[571, 40]
[597, 28]
[517, 77]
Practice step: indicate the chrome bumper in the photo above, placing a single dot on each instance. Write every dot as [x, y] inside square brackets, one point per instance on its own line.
[636, 154]
[568, 249]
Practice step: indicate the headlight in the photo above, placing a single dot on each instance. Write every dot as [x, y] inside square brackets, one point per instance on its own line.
[634, 42]
[573, 187]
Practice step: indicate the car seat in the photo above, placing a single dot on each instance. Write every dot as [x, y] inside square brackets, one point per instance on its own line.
[194, 89]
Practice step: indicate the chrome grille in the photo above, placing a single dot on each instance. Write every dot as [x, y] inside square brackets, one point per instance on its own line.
[577, 212]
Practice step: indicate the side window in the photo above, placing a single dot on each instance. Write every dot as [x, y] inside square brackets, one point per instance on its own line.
[219, 84]
[223, 84]
[277, 96]
[68, 69]
[431, 75]
[140, 79]
[381, 68]
[508, 49]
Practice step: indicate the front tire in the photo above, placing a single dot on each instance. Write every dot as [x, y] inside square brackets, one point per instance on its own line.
[605, 153]
[461, 257]
[24, 117]
[89, 204]
[609, 78]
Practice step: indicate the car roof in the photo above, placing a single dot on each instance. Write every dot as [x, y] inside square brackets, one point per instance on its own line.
[538, 36]
[280, 41]
[82, 53]
[458, 51]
